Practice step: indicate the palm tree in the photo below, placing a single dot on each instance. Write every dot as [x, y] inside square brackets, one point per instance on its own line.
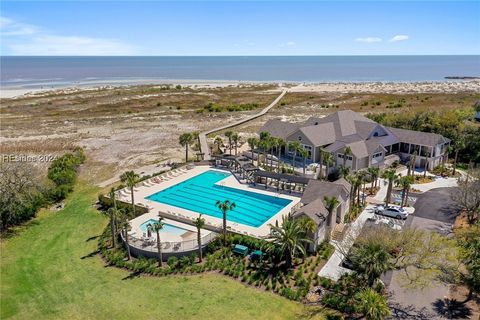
[427, 156]
[218, 142]
[352, 179]
[199, 223]
[392, 177]
[371, 260]
[304, 154]
[449, 149]
[185, 140]
[130, 178]
[371, 304]
[229, 135]
[405, 182]
[157, 226]
[413, 159]
[280, 143]
[288, 238]
[295, 146]
[309, 226]
[252, 143]
[343, 170]
[347, 152]
[196, 136]
[374, 173]
[225, 206]
[235, 140]
[264, 135]
[459, 145]
[273, 145]
[113, 214]
[125, 227]
[331, 203]
[362, 176]
[322, 151]
[328, 160]
[264, 144]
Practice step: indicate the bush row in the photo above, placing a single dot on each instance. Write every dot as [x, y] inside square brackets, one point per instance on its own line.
[63, 173]
[290, 283]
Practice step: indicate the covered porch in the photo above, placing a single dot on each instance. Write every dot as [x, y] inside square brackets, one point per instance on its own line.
[281, 181]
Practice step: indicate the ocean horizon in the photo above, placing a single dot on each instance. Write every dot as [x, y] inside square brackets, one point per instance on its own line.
[58, 71]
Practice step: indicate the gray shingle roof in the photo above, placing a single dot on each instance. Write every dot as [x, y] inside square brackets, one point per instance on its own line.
[320, 134]
[315, 210]
[317, 189]
[278, 128]
[349, 128]
[343, 182]
[417, 137]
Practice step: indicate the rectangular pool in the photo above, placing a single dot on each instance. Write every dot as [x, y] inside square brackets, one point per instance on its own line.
[200, 193]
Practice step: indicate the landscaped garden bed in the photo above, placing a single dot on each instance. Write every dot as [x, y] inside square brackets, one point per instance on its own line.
[270, 273]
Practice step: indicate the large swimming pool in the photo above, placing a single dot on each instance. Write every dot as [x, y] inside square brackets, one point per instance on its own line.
[200, 193]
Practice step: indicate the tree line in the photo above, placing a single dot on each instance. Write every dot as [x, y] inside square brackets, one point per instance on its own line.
[453, 124]
[24, 190]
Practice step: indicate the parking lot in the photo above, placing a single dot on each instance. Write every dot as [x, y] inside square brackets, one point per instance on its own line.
[434, 211]
[398, 222]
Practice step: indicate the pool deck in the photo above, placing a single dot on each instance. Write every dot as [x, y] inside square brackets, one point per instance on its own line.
[183, 217]
[190, 233]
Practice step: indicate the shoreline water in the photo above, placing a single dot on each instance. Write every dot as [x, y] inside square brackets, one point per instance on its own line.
[435, 86]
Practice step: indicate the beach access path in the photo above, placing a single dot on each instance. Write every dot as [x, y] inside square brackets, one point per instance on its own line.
[203, 135]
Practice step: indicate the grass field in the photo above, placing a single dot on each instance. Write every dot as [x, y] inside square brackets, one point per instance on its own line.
[50, 270]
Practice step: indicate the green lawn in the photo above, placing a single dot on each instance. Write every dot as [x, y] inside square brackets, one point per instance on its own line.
[49, 270]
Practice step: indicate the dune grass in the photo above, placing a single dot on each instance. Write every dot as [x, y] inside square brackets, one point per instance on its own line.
[50, 269]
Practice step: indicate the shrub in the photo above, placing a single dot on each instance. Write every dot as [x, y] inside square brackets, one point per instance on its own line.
[288, 293]
[63, 173]
[172, 262]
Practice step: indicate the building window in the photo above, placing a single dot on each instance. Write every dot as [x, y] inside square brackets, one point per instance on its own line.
[377, 155]
[340, 156]
[309, 150]
[375, 134]
[299, 138]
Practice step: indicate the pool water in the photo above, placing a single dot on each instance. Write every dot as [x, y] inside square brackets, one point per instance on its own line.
[169, 228]
[200, 193]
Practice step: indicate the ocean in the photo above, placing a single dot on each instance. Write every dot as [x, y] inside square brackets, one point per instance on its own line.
[36, 72]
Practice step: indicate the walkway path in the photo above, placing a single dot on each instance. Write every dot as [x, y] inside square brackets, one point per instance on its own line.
[333, 269]
[203, 135]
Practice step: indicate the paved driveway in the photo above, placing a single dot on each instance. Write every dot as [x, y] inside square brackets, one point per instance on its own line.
[434, 211]
[437, 205]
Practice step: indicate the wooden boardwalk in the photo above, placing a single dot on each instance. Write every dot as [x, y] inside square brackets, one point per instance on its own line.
[203, 135]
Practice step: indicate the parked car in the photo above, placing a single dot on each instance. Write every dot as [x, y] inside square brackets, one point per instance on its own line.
[388, 223]
[391, 211]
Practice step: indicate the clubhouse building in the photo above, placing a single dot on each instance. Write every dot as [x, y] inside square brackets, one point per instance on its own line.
[371, 144]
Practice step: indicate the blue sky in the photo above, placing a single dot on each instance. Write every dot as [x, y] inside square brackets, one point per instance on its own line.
[239, 28]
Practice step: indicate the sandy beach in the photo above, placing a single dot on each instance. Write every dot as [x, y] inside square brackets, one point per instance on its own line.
[123, 125]
[447, 86]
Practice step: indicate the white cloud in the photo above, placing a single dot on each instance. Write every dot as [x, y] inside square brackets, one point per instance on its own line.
[71, 45]
[23, 39]
[369, 39]
[400, 37]
[9, 27]
[288, 44]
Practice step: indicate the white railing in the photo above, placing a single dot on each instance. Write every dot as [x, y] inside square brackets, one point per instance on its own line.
[150, 244]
